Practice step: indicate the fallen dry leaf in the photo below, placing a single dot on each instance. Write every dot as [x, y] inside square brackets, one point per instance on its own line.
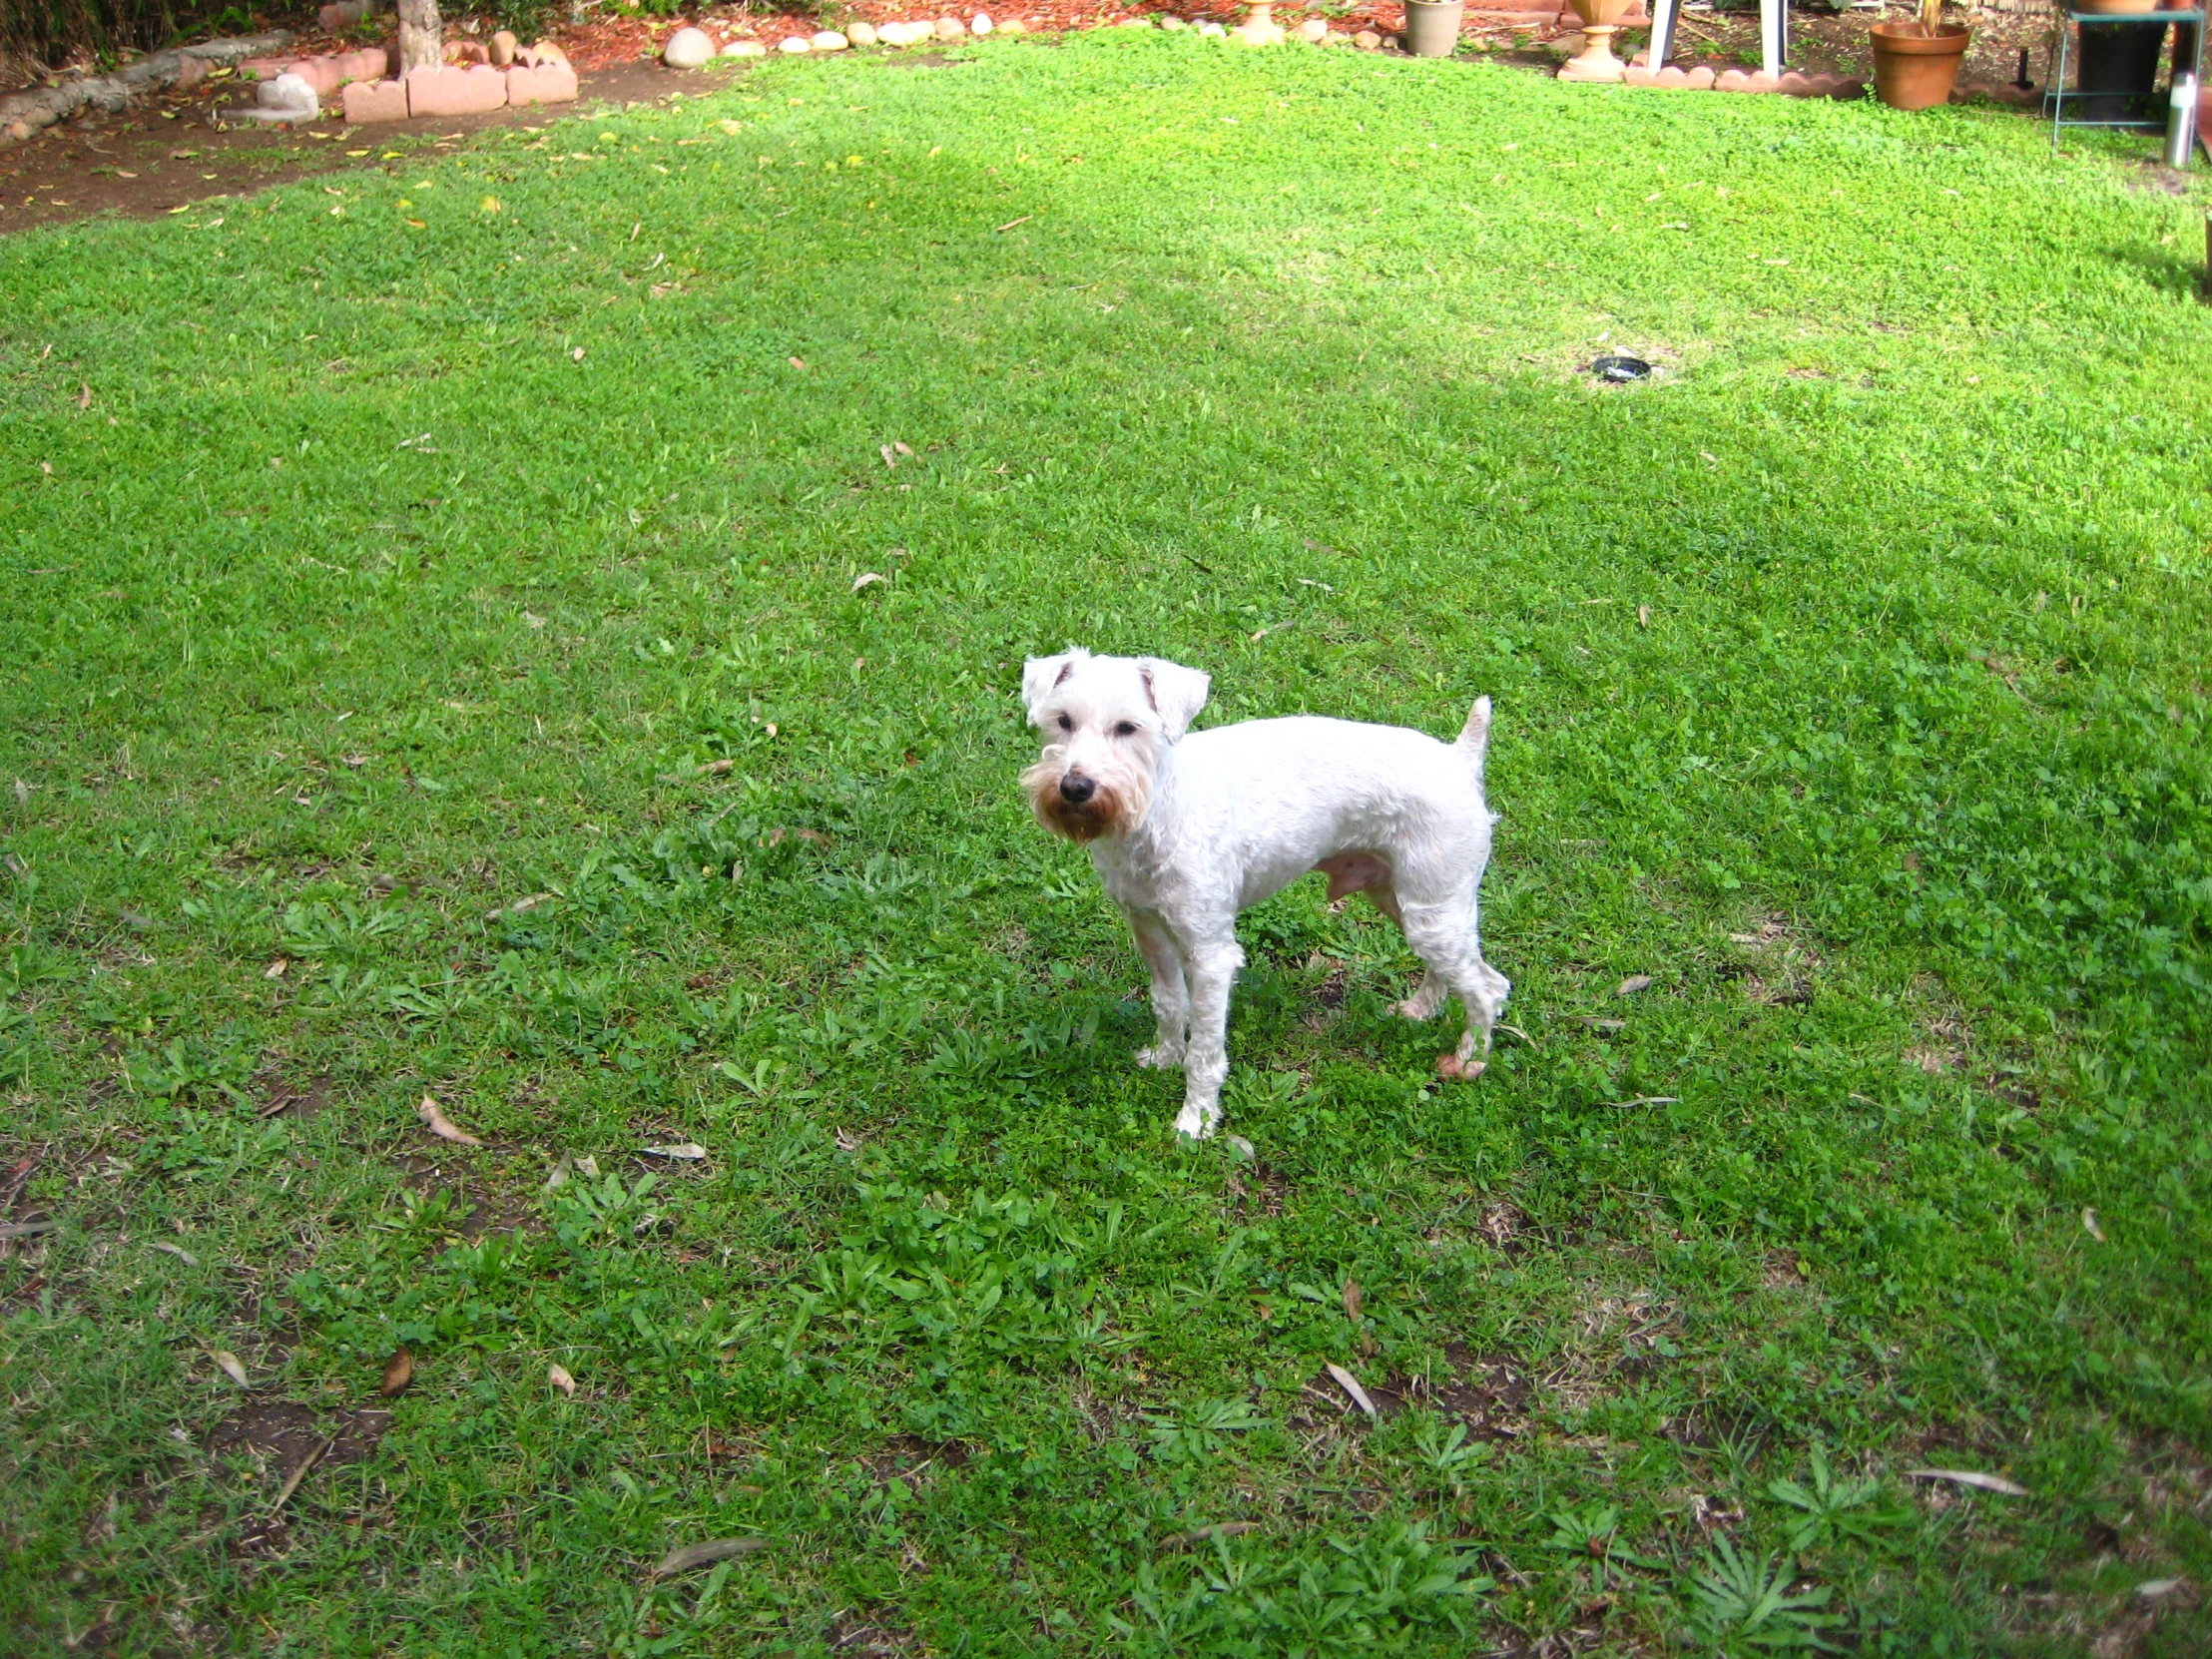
[1199, 1534]
[180, 1253]
[1632, 985]
[229, 1364]
[706, 1554]
[442, 1126]
[691, 1151]
[2091, 1227]
[291, 1480]
[1351, 1386]
[848, 1141]
[902, 448]
[1972, 1477]
[559, 1377]
[276, 969]
[1643, 616]
[798, 362]
[84, 395]
[1352, 1300]
[398, 1373]
[891, 455]
[868, 578]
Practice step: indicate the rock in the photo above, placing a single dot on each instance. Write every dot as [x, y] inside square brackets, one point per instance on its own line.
[546, 51]
[287, 101]
[952, 28]
[367, 100]
[344, 15]
[545, 82]
[1731, 80]
[19, 132]
[745, 49]
[687, 49]
[456, 91]
[794, 43]
[1171, 23]
[1013, 26]
[1211, 30]
[468, 50]
[981, 23]
[1312, 31]
[503, 49]
[191, 71]
[1367, 40]
[862, 33]
[829, 40]
[1699, 79]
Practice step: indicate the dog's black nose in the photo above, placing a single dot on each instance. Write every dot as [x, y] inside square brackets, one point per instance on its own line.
[1075, 789]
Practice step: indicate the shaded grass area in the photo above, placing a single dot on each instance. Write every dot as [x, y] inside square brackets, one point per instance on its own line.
[435, 665]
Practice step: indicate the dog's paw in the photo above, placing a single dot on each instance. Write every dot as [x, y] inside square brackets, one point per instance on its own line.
[1451, 1065]
[1411, 1009]
[1159, 1057]
[1193, 1125]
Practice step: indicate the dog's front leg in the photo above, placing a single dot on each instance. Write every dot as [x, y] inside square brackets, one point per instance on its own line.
[1213, 962]
[1171, 1005]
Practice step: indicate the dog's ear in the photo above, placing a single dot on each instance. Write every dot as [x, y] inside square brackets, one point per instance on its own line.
[1178, 692]
[1041, 676]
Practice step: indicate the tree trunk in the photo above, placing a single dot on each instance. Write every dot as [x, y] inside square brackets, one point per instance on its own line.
[422, 35]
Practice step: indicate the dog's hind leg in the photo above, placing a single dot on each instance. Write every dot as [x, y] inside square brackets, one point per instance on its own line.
[1171, 1002]
[1445, 937]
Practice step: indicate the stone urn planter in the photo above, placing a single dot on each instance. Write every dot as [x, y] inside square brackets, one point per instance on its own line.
[1260, 29]
[1600, 22]
[1917, 64]
[1432, 27]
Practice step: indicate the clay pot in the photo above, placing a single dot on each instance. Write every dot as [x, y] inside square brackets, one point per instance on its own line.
[1432, 27]
[1914, 71]
[2115, 8]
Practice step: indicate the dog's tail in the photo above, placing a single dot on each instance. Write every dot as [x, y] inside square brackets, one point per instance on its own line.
[1474, 738]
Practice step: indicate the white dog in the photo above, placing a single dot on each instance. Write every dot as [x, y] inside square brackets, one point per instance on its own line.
[1185, 830]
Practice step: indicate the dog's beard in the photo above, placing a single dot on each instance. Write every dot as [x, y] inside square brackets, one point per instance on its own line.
[1116, 808]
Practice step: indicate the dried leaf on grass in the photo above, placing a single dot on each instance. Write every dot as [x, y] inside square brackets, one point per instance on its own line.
[692, 1556]
[1353, 1299]
[291, 1480]
[1972, 1477]
[442, 1126]
[2091, 1227]
[1351, 1386]
[1632, 985]
[868, 578]
[690, 1152]
[559, 1377]
[229, 1365]
[398, 1373]
[179, 1251]
[1200, 1534]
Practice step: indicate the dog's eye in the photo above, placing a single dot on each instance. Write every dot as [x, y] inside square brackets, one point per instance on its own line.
[1126, 729]
[1066, 725]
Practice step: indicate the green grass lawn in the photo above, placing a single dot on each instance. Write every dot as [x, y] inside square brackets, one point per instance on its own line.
[434, 661]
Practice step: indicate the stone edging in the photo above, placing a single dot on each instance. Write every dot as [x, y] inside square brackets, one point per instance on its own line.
[25, 115]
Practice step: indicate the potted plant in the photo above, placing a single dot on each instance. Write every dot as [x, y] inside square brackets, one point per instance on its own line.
[1917, 64]
[1432, 27]
[1600, 22]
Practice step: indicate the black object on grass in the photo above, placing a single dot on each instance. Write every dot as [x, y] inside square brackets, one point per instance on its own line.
[1620, 369]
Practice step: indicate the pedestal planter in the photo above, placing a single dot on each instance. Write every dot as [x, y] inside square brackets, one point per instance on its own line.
[1600, 22]
[1914, 69]
[1432, 27]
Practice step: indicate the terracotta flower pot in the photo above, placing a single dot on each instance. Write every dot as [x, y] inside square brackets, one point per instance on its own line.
[1912, 71]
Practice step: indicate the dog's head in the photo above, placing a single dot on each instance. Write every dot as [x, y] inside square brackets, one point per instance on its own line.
[1107, 721]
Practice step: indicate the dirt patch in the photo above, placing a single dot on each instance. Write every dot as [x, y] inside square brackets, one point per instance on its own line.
[1490, 1394]
[178, 150]
[296, 1104]
[869, 1635]
[281, 1434]
[471, 1209]
[1775, 963]
[908, 1459]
